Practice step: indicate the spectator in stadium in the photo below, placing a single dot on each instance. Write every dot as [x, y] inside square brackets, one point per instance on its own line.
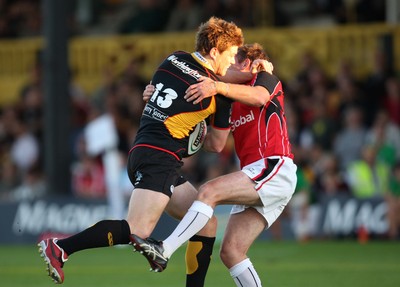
[25, 148]
[20, 153]
[374, 84]
[9, 175]
[328, 178]
[299, 206]
[322, 126]
[300, 83]
[88, 180]
[346, 94]
[164, 138]
[391, 101]
[32, 114]
[393, 201]
[384, 135]
[368, 177]
[351, 137]
[263, 187]
[33, 185]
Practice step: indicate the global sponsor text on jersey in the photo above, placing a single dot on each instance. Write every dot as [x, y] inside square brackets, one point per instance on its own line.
[242, 120]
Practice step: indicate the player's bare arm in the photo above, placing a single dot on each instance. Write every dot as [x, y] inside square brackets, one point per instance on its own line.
[206, 87]
[215, 140]
[243, 75]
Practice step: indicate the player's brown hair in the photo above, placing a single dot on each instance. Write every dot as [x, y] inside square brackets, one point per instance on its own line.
[217, 33]
[251, 52]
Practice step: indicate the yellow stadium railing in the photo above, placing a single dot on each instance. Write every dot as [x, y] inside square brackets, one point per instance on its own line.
[90, 57]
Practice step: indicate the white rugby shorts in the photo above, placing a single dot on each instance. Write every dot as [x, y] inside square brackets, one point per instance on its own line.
[275, 181]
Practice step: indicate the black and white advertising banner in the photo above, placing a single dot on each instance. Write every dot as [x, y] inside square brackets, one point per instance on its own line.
[30, 221]
[345, 216]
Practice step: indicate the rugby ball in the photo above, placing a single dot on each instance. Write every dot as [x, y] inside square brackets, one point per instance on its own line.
[197, 137]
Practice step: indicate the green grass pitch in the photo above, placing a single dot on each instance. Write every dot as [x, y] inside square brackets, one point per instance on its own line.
[283, 264]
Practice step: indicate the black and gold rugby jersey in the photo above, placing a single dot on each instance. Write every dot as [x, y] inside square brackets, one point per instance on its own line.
[168, 119]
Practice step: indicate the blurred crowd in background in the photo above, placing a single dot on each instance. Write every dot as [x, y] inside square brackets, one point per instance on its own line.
[23, 18]
[345, 131]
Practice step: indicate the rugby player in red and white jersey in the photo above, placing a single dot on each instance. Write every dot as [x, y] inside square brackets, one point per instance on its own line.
[262, 188]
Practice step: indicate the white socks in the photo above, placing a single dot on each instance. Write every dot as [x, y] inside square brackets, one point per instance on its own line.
[194, 220]
[245, 275]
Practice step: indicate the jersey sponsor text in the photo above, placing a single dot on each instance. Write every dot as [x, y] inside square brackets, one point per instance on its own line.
[183, 67]
[242, 120]
[154, 113]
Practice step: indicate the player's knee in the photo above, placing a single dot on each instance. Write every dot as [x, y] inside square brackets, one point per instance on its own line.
[229, 255]
[207, 194]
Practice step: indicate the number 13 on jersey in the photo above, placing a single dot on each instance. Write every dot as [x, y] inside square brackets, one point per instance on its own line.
[164, 97]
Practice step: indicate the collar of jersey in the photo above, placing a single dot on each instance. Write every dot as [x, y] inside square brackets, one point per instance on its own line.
[201, 60]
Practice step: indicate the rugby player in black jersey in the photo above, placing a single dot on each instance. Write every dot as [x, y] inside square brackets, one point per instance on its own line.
[166, 135]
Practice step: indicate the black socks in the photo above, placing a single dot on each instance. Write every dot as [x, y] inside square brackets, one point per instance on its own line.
[198, 257]
[104, 233]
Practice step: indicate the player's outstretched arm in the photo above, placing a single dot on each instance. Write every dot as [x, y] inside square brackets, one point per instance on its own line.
[249, 95]
[241, 76]
[206, 87]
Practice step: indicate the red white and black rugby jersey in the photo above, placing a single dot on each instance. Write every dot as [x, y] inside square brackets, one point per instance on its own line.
[167, 118]
[261, 132]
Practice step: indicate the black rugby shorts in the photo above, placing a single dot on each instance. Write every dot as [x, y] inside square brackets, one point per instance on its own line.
[153, 169]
